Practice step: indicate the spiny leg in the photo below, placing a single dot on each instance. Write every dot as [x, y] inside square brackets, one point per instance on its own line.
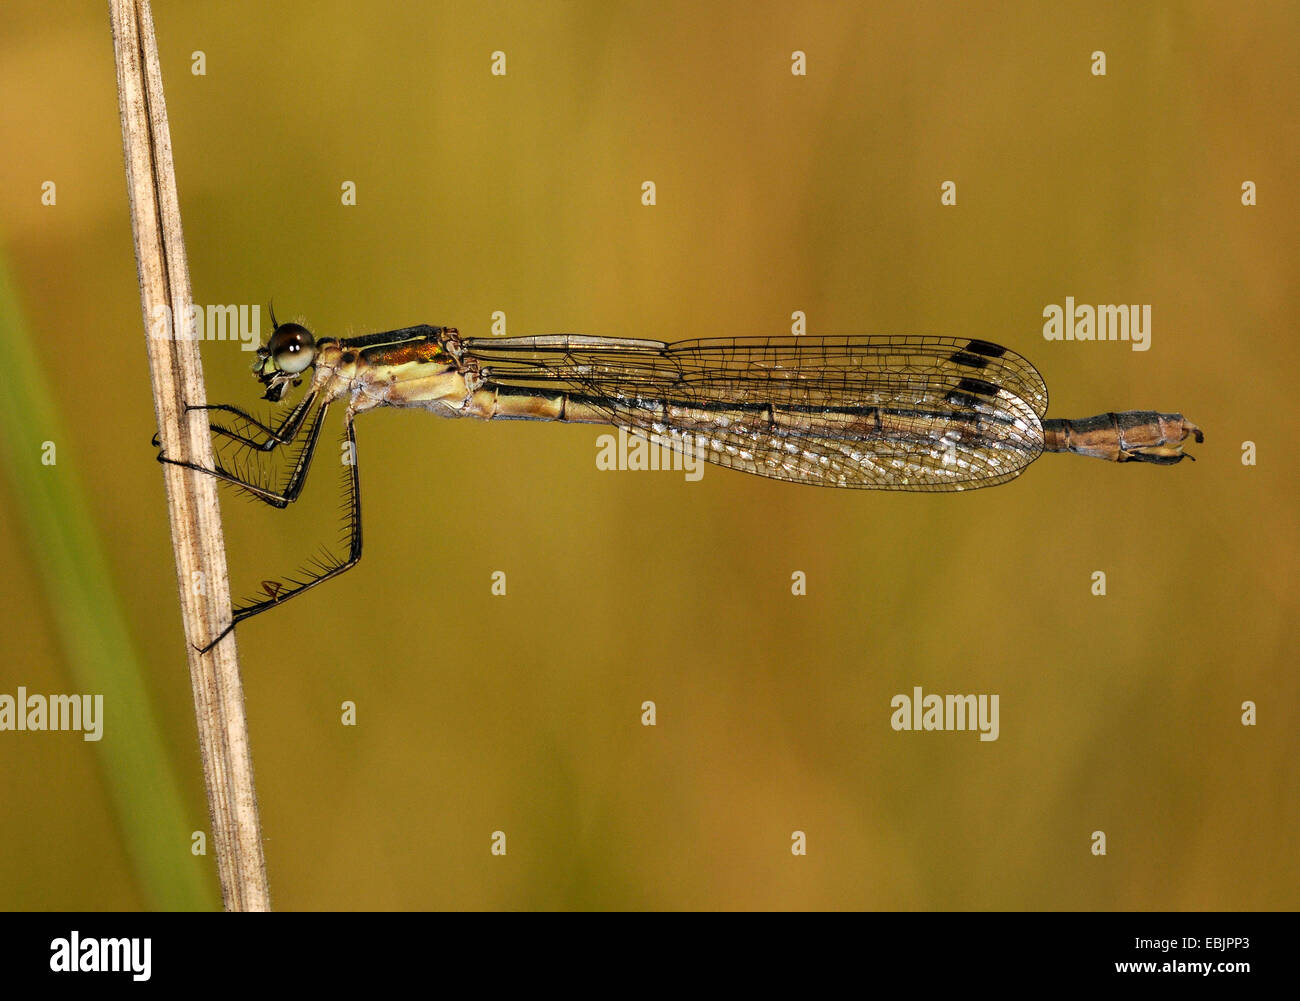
[275, 436]
[263, 492]
[279, 592]
[282, 435]
[324, 569]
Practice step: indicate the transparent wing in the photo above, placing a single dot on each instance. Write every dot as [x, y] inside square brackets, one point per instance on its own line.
[885, 412]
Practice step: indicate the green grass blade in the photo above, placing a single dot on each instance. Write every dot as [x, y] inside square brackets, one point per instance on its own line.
[91, 627]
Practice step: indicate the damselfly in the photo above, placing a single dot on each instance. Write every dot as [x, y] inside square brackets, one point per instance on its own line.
[877, 412]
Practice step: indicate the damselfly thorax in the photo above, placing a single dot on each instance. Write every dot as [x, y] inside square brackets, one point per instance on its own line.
[907, 412]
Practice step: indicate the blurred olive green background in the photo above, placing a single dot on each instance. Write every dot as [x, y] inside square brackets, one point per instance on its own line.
[776, 193]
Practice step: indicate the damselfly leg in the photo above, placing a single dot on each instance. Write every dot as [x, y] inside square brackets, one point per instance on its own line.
[282, 435]
[230, 443]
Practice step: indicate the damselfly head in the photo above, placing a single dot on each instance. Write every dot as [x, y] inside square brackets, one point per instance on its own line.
[289, 352]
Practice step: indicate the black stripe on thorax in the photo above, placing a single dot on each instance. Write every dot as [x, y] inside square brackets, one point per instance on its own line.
[389, 337]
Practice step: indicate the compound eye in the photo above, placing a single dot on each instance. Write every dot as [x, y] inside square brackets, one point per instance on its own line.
[292, 348]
